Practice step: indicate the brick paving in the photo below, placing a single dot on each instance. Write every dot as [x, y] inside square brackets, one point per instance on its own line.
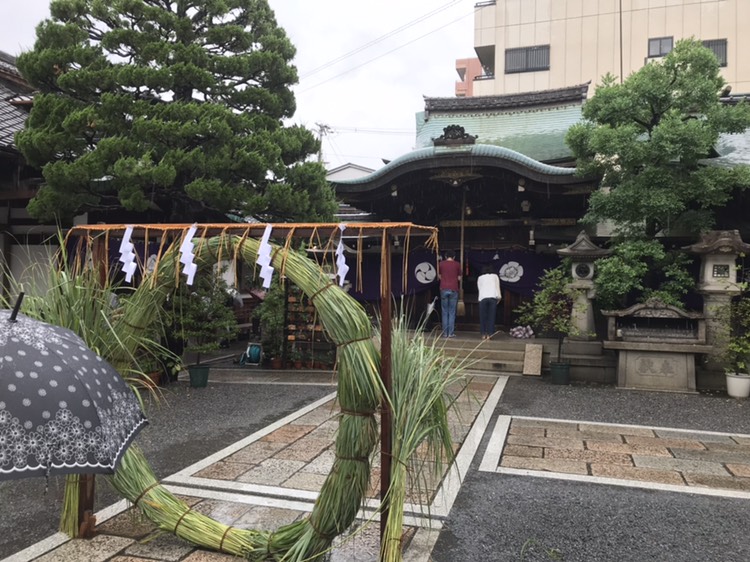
[662, 456]
[299, 455]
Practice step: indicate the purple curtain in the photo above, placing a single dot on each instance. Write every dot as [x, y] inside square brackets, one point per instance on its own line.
[421, 275]
[519, 271]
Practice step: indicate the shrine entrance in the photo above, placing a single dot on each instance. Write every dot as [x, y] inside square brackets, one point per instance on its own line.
[492, 206]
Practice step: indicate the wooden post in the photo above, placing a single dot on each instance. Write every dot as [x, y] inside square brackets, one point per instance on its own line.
[87, 482]
[386, 447]
[461, 305]
[86, 519]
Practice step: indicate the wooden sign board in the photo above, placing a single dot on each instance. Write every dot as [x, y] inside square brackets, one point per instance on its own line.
[532, 359]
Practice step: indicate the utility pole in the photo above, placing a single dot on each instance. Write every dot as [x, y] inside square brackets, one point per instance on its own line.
[323, 130]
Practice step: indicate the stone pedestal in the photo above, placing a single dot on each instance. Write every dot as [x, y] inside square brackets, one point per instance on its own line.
[716, 312]
[582, 314]
[650, 366]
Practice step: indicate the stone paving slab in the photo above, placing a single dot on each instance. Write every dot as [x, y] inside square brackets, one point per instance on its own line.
[679, 465]
[207, 556]
[166, 548]
[225, 470]
[712, 455]
[98, 549]
[547, 442]
[223, 512]
[636, 473]
[130, 524]
[718, 481]
[660, 442]
[704, 438]
[628, 448]
[688, 459]
[271, 472]
[590, 456]
[742, 470]
[549, 465]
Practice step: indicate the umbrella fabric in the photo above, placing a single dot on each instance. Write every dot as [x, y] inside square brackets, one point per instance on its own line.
[63, 409]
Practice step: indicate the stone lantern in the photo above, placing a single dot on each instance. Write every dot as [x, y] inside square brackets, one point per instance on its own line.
[718, 283]
[583, 254]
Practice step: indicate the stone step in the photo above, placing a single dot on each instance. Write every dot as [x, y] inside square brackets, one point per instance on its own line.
[497, 366]
[505, 355]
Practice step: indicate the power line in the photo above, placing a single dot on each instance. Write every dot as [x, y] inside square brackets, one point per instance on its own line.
[372, 131]
[386, 53]
[378, 40]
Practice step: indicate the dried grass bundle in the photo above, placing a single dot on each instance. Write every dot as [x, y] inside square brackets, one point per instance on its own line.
[422, 444]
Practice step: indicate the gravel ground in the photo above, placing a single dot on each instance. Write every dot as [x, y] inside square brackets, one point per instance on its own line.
[499, 517]
[185, 427]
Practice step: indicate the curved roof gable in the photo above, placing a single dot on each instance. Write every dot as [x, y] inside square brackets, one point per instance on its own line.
[433, 158]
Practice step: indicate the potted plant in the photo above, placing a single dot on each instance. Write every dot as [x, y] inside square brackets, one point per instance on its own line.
[737, 368]
[203, 315]
[309, 359]
[549, 311]
[272, 315]
[296, 358]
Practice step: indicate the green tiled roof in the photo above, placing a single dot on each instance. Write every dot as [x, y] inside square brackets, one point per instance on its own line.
[538, 133]
[734, 150]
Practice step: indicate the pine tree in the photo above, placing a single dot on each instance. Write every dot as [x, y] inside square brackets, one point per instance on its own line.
[174, 107]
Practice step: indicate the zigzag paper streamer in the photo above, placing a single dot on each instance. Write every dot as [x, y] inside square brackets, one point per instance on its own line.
[341, 268]
[264, 258]
[127, 255]
[187, 255]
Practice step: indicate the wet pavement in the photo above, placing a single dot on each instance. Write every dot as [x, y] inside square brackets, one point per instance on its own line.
[583, 472]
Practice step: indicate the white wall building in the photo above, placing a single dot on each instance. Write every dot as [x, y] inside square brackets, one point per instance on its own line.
[531, 45]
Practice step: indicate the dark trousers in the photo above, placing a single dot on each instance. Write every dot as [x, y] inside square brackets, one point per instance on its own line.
[487, 309]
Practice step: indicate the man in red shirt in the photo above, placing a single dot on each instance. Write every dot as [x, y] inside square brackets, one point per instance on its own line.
[449, 272]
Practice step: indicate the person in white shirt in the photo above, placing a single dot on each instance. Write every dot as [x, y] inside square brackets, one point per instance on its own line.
[489, 295]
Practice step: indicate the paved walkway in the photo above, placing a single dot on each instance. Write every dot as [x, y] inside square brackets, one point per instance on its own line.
[698, 462]
[273, 476]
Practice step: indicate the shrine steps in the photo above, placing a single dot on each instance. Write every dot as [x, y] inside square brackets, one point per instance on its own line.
[505, 355]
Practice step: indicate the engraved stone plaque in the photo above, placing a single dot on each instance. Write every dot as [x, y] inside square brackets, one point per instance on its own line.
[656, 370]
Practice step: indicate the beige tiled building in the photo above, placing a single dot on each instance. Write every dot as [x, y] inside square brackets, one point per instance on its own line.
[531, 45]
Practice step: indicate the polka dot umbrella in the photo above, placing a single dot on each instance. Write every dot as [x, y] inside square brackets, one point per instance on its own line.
[63, 409]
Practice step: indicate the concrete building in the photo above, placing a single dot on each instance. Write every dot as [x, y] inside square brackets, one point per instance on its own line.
[532, 45]
[468, 70]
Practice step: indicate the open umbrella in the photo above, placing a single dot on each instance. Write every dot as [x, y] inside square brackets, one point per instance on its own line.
[63, 409]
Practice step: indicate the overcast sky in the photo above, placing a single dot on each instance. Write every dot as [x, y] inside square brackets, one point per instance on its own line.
[364, 67]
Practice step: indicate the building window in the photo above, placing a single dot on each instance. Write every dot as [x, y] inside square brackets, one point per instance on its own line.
[660, 46]
[527, 59]
[719, 48]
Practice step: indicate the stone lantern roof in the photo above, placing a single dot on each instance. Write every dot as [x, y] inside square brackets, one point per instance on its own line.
[719, 242]
[583, 248]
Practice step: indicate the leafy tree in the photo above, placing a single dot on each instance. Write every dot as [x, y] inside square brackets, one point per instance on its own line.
[173, 106]
[648, 139]
[549, 311]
